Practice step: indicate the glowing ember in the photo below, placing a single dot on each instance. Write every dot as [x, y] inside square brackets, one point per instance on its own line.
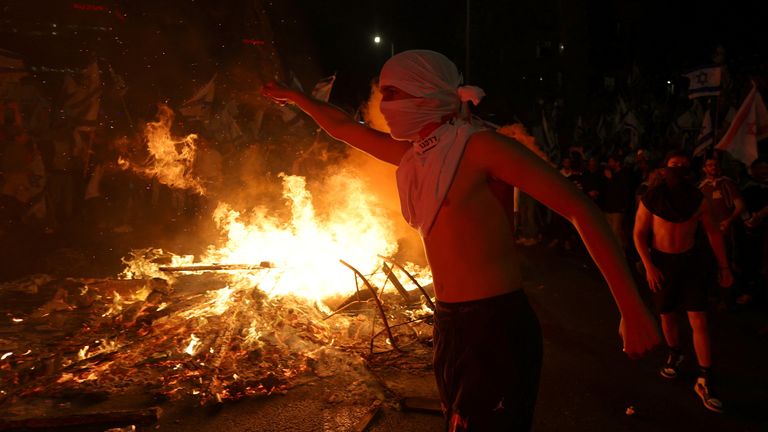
[217, 304]
[194, 343]
[83, 352]
[117, 305]
[65, 377]
[6, 355]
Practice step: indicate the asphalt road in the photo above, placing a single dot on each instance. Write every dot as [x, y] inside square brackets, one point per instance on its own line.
[587, 383]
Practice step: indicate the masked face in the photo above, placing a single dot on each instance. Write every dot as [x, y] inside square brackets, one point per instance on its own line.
[419, 88]
[407, 117]
[675, 176]
[677, 171]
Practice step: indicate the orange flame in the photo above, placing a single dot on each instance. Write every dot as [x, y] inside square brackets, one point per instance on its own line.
[306, 250]
[170, 158]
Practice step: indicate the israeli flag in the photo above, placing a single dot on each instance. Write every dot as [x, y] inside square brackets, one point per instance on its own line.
[704, 82]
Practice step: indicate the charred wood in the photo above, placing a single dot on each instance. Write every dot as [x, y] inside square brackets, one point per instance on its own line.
[105, 419]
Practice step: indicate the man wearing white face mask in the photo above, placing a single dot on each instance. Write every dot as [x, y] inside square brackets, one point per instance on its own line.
[487, 339]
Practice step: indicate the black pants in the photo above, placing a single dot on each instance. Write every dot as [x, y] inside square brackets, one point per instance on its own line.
[683, 288]
[487, 363]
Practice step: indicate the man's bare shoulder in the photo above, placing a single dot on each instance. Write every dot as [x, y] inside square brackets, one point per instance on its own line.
[489, 143]
[487, 137]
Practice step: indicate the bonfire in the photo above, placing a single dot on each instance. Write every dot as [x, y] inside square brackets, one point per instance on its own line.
[277, 301]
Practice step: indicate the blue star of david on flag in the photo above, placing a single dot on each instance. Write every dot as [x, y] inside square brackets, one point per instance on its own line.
[704, 81]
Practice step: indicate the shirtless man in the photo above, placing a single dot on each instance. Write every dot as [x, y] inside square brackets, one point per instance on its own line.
[670, 212]
[487, 340]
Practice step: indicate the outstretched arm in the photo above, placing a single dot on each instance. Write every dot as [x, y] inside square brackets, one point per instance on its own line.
[511, 162]
[340, 125]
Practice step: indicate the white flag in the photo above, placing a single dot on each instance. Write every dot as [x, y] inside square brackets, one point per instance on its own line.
[704, 82]
[692, 118]
[626, 119]
[82, 99]
[601, 129]
[549, 134]
[322, 90]
[706, 137]
[631, 122]
[199, 105]
[748, 127]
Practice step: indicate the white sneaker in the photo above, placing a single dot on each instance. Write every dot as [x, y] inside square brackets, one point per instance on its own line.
[705, 393]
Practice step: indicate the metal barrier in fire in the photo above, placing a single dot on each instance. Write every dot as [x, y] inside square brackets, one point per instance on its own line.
[388, 270]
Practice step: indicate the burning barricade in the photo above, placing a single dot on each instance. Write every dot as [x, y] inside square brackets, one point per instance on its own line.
[279, 301]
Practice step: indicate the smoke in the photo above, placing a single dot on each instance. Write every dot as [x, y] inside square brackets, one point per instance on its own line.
[371, 111]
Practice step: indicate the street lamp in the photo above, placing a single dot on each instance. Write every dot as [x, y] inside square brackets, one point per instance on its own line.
[377, 40]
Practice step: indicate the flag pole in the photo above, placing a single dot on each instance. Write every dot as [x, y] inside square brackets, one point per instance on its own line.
[466, 45]
[713, 115]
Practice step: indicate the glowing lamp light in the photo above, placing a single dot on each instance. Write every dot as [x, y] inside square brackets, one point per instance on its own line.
[377, 39]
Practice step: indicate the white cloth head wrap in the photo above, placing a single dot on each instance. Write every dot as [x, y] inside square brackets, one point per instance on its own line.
[428, 75]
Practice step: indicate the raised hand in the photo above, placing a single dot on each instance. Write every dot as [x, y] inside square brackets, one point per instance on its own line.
[279, 93]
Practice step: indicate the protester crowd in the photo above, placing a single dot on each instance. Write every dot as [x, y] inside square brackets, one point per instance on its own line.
[618, 177]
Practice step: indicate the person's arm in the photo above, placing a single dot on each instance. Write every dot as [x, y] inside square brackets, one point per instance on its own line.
[340, 125]
[643, 223]
[511, 162]
[738, 207]
[757, 217]
[715, 237]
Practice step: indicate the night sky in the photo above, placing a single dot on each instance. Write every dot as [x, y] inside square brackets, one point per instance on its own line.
[518, 50]
[514, 47]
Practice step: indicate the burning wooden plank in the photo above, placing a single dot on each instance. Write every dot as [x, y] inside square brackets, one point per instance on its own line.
[365, 421]
[217, 267]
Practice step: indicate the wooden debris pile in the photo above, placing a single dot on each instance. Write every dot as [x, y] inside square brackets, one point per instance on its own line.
[197, 336]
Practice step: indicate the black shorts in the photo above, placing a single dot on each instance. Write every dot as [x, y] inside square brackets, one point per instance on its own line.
[487, 363]
[683, 288]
